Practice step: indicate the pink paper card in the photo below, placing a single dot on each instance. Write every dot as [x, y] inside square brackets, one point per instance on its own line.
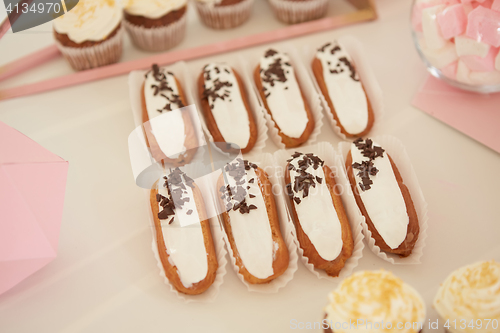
[32, 187]
[473, 114]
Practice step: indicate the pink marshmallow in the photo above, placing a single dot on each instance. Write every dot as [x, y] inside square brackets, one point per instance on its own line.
[450, 71]
[416, 16]
[484, 26]
[451, 2]
[496, 5]
[479, 64]
[487, 3]
[466, 1]
[452, 21]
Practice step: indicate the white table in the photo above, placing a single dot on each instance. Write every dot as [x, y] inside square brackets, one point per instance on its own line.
[105, 277]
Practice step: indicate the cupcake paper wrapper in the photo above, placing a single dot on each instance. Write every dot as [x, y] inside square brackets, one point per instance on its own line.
[395, 148]
[105, 53]
[265, 162]
[157, 39]
[224, 17]
[299, 11]
[136, 79]
[255, 107]
[326, 152]
[372, 88]
[306, 85]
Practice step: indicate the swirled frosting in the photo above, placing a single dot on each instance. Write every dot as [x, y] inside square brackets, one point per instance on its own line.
[471, 293]
[152, 9]
[375, 297]
[90, 20]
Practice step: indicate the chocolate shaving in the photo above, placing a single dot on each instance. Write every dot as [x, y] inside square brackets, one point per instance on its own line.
[175, 183]
[303, 180]
[275, 72]
[366, 168]
[164, 90]
[235, 196]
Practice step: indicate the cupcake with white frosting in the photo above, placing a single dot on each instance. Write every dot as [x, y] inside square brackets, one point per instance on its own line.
[155, 25]
[224, 14]
[90, 35]
[374, 302]
[469, 299]
[297, 11]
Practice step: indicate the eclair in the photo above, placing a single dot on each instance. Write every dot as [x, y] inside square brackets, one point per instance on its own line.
[183, 236]
[173, 139]
[323, 230]
[382, 197]
[225, 106]
[283, 98]
[341, 86]
[251, 223]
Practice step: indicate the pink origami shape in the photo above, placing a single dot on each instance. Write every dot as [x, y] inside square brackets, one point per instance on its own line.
[32, 187]
[452, 21]
[484, 26]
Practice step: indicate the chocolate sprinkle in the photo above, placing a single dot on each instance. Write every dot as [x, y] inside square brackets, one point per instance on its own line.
[235, 196]
[164, 90]
[275, 72]
[366, 168]
[304, 180]
[175, 183]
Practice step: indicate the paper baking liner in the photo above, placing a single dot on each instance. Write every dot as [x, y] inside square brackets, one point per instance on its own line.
[326, 152]
[395, 148]
[224, 17]
[290, 11]
[158, 38]
[253, 101]
[265, 162]
[251, 60]
[370, 83]
[105, 53]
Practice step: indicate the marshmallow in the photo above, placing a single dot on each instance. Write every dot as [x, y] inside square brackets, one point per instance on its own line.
[450, 70]
[432, 35]
[497, 62]
[441, 57]
[496, 5]
[484, 25]
[468, 46]
[463, 73]
[452, 21]
[478, 64]
[490, 78]
[466, 1]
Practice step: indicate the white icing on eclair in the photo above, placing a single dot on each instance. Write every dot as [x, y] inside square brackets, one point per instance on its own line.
[314, 205]
[90, 20]
[182, 231]
[344, 87]
[162, 95]
[471, 293]
[226, 103]
[249, 221]
[380, 192]
[283, 95]
[152, 9]
[370, 300]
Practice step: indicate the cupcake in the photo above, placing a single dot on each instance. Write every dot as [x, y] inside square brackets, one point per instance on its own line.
[297, 11]
[90, 35]
[224, 14]
[374, 301]
[469, 299]
[155, 25]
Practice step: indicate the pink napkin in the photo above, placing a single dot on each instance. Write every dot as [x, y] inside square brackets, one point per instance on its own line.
[32, 187]
[476, 115]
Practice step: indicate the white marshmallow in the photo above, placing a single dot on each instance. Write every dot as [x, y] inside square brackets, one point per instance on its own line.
[442, 57]
[430, 27]
[468, 46]
[492, 77]
[497, 62]
[463, 73]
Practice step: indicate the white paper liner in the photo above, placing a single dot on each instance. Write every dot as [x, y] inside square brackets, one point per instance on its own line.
[306, 85]
[395, 148]
[299, 11]
[158, 38]
[136, 79]
[105, 53]
[370, 83]
[224, 17]
[327, 153]
[253, 101]
[265, 162]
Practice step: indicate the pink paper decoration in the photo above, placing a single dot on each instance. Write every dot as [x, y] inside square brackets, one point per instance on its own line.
[32, 187]
[484, 26]
[452, 21]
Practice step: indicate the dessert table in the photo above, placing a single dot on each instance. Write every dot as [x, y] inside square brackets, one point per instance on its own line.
[105, 277]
